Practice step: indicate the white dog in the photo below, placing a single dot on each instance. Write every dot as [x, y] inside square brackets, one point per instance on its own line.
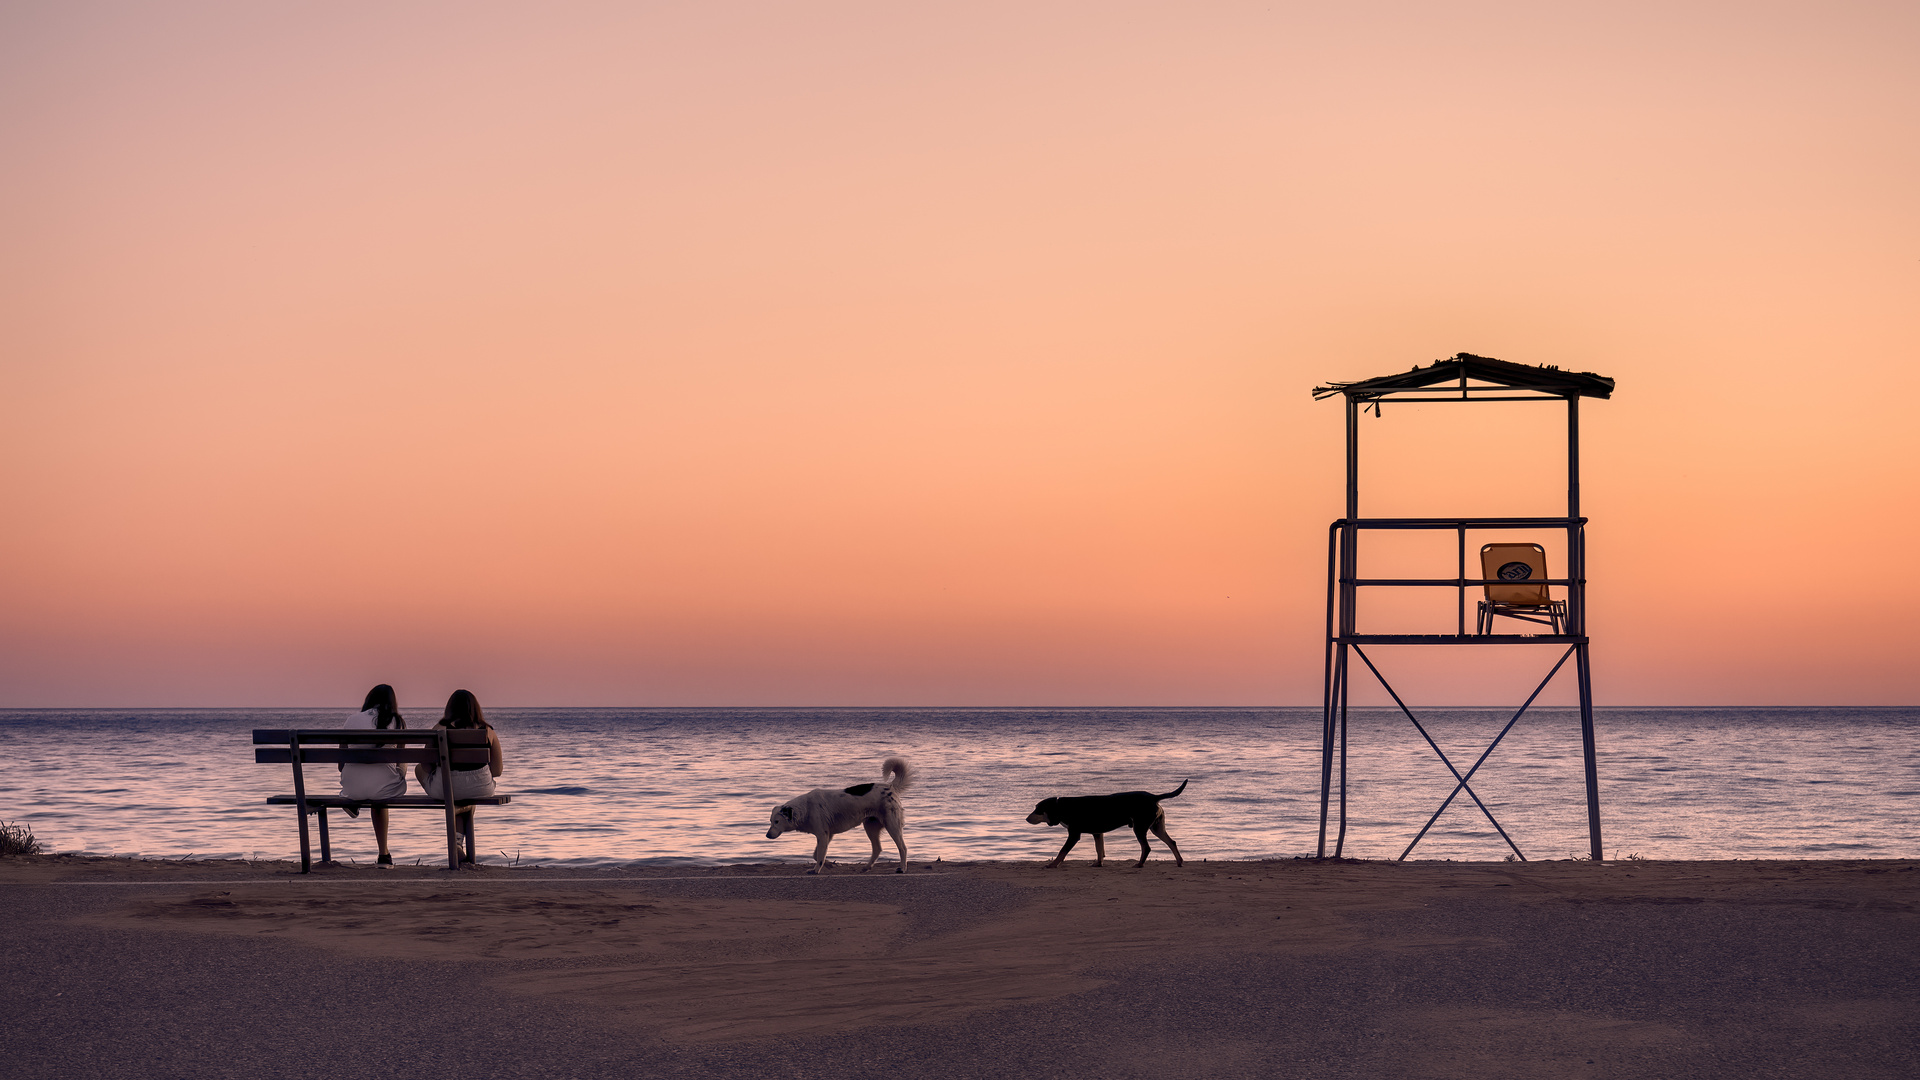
[826, 811]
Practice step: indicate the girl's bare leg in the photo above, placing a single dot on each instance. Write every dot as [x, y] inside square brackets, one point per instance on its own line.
[380, 829]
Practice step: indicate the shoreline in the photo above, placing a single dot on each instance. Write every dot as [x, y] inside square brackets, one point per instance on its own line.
[240, 869]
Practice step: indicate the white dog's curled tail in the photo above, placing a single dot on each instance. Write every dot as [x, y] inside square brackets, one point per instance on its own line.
[896, 773]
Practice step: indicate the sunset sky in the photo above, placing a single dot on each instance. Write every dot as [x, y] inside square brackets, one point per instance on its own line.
[891, 354]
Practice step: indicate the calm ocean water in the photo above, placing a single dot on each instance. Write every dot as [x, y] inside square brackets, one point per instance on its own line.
[694, 786]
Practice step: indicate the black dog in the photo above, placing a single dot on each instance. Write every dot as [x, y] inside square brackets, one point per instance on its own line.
[1098, 814]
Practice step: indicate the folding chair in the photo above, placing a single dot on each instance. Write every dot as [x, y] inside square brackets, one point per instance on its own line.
[1518, 563]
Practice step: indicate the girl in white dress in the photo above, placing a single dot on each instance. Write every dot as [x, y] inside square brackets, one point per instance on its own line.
[470, 781]
[382, 780]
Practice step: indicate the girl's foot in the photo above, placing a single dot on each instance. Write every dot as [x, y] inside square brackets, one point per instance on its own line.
[385, 860]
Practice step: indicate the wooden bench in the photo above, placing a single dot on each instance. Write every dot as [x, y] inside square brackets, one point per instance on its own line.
[442, 747]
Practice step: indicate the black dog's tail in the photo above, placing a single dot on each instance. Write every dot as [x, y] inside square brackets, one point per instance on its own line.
[1171, 794]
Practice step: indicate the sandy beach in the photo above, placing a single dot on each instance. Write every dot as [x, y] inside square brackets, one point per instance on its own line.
[1629, 969]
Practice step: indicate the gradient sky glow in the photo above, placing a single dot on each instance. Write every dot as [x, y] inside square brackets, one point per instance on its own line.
[863, 353]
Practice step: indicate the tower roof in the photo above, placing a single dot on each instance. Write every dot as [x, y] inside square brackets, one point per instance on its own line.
[1473, 373]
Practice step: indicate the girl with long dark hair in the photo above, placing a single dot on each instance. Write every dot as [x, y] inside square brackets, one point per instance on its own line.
[384, 780]
[471, 780]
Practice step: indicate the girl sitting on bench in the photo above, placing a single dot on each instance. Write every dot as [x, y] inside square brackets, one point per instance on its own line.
[381, 780]
[470, 780]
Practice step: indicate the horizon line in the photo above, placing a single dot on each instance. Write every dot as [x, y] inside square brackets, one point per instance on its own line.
[925, 708]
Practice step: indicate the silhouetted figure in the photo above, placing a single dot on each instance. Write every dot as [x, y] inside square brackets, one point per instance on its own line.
[382, 780]
[470, 780]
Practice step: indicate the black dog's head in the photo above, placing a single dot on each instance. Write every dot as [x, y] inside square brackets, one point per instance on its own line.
[1045, 813]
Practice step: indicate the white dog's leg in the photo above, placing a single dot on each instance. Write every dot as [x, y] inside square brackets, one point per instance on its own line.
[873, 834]
[899, 841]
[820, 853]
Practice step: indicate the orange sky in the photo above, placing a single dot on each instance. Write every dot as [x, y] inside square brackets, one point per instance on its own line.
[877, 354]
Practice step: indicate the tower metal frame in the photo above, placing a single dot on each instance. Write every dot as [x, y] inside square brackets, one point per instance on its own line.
[1463, 378]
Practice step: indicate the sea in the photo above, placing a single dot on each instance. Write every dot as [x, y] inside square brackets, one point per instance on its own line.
[694, 787]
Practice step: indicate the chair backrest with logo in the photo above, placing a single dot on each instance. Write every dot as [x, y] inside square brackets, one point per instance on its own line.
[1518, 563]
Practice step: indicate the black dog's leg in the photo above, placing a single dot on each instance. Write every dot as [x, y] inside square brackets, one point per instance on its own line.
[1140, 832]
[1099, 848]
[1073, 837]
[1160, 830]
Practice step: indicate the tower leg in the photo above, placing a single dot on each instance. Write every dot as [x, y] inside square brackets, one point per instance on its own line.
[1585, 672]
[1340, 838]
[1326, 754]
[1335, 680]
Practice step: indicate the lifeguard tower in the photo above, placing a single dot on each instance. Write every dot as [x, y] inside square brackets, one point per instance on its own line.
[1516, 591]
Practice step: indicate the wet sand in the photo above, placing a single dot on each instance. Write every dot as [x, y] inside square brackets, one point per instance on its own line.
[128, 968]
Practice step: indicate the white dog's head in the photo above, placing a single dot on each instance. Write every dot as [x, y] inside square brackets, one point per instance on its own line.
[781, 820]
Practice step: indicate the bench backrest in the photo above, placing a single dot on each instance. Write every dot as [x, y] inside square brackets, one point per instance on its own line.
[464, 746]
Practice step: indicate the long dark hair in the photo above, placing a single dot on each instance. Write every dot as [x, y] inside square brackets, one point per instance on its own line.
[381, 698]
[463, 711]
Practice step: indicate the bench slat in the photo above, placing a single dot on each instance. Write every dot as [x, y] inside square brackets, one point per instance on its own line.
[403, 802]
[331, 755]
[342, 736]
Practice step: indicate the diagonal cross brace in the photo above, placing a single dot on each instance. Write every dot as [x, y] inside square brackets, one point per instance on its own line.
[1489, 750]
[1444, 760]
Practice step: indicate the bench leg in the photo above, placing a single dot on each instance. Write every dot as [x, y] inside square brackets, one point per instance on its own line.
[326, 845]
